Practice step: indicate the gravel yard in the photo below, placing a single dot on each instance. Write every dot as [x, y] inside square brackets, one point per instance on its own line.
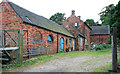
[81, 63]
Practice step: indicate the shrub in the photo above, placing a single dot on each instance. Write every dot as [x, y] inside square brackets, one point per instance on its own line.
[106, 45]
[67, 49]
[99, 47]
[109, 42]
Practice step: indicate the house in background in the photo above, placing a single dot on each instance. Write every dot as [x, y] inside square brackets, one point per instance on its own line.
[100, 34]
[79, 29]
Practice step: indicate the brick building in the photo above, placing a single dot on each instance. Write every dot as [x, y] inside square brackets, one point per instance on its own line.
[74, 33]
[100, 34]
[15, 17]
[79, 29]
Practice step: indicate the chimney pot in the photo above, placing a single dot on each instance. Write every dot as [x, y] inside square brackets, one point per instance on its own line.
[73, 12]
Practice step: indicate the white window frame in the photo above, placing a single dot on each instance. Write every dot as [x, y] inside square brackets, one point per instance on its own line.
[81, 41]
[85, 41]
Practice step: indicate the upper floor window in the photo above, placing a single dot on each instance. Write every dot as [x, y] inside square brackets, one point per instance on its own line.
[76, 24]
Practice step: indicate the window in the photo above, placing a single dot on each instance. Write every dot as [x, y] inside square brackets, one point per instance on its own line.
[70, 41]
[49, 39]
[28, 19]
[77, 24]
[81, 42]
[85, 41]
[66, 41]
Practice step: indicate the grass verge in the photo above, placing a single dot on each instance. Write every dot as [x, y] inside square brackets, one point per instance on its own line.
[104, 68]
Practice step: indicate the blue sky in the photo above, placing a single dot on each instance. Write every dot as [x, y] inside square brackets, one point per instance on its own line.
[87, 9]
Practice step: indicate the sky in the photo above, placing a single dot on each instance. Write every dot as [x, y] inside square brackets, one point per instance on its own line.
[87, 9]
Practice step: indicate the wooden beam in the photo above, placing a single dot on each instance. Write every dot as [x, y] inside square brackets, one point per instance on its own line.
[114, 50]
[21, 46]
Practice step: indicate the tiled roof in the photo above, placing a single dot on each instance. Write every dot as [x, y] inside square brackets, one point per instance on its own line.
[38, 20]
[100, 30]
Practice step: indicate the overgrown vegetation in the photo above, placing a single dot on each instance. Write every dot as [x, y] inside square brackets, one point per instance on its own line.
[102, 46]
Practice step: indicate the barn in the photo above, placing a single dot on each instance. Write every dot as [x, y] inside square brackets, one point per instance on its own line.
[56, 37]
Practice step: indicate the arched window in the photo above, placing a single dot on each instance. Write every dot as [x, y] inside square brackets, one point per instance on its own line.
[37, 35]
[49, 39]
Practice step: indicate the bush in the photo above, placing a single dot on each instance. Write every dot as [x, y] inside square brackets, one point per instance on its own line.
[67, 49]
[106, 45]
[102, 46]
[99, 47]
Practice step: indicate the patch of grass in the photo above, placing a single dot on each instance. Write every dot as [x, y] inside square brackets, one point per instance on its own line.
[45, 58]
[104, 68]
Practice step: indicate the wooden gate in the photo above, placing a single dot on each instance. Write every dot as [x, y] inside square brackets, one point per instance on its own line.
[9, 45]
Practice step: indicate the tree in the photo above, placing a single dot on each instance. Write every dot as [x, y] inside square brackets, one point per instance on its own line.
[110, 15]
[58, 18]
[91, 22]
[105, 15]
[116, 19]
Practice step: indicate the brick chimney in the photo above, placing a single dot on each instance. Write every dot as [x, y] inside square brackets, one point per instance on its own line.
[73, 12]
[79, 17]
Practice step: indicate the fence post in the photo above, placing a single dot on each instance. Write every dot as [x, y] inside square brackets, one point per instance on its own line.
[21, 45]
[114, 50]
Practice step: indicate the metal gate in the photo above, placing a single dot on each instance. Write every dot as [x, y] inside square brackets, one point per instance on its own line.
[32, 46]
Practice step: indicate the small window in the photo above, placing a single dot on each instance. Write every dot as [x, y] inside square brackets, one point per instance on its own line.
[86, 41]
[70, 41]
[49, 39]
[28, 19]
[77, 24]
[81, 42]
[66, 41]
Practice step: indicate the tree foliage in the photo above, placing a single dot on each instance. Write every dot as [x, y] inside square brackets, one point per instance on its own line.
[105, 15]
[110, 15]
[58, 18]
[91, 22]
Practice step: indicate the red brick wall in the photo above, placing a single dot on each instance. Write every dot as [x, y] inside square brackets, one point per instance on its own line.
[87, 36]
[100, 38]
[11, 21]
[73, 32]
[83, 28]
[73, 19]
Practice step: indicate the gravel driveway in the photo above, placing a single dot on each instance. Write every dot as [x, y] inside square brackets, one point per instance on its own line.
[75, 64]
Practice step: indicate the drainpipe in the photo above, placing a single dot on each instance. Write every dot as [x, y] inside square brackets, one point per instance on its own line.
[57, 43]
[85, 37]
